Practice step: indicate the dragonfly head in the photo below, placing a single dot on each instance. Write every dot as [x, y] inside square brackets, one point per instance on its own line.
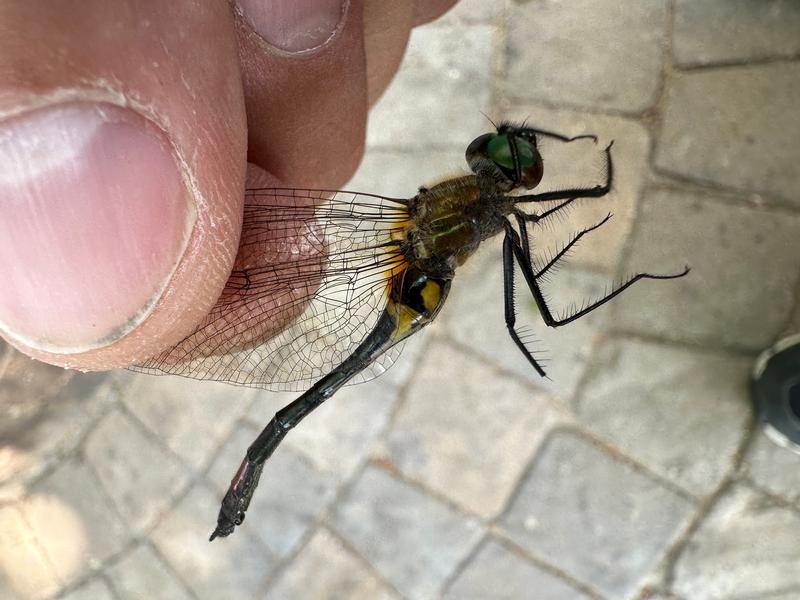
[517, 161]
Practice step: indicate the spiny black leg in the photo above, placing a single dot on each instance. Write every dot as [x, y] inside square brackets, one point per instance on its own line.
[523, 218]
[595, 192]
[559, 255]
[510, 310]
[523, 229]
[530, 278]
[536, 217]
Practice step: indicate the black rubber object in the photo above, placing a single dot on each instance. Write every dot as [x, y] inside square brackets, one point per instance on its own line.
[776, 392]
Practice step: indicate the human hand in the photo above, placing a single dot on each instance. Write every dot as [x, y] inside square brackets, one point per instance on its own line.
[125, 129]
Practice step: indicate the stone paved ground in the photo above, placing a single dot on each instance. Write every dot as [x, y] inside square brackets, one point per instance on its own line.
[636, 472]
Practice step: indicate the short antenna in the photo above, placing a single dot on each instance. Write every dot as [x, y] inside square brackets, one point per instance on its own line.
[488, 119]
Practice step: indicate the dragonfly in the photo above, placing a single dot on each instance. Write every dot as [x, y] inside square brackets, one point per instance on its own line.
[328, 284]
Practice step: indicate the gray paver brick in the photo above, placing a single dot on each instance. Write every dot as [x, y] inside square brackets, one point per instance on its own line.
[25, 572]
[497, 573]
[337, 575]
[652, 401]
[291, 493]
[139, 476]
[446, 73]
[597, 53]
[142, 574]
[413, 540]
[192, 417]
[44, 412]
[659, 596]
[742, 30]
[793, 326]
[400, 173]
[790, 594]
[746, 142]
[96, 589]
[594, 517]
[474, 316]
[744, 269]
[773, 468]
[467, 432]
[231, 567]
[747, 547]
[469, 11]
[73, 521]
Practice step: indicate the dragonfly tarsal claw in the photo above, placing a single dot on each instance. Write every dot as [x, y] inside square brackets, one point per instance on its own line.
[225, 525]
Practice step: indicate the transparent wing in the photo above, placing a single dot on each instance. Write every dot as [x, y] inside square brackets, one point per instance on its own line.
[308, 285]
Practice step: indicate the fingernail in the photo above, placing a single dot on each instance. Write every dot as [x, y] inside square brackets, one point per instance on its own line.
[294, 25]
[94, 217]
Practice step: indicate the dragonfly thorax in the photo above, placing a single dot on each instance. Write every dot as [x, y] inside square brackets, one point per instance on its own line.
[449, 221]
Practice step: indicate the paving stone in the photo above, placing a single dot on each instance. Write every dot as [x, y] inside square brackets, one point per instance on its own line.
[44, 412]
[746, 547]
[73, 522]
[337, 575]
[497, 573]
[96, 589]
[400, 173]
[142, 574]
[139, 475]
[743, 30]
[595, 53]
[290, 497]
[470, 11]
[743, 271]
[793, 326]
[748, 142]
[474, 317]
[192, 417]
[594, 517]
[790, 594]
[25, 572]
[654, 401]
[773, 468]
[413, 540]
[467, 440]
[446, 70]
[231, 567]
[658, 596]
[26, 385]
[337, 436]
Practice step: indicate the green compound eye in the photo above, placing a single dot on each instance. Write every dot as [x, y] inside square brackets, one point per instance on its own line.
[499, 150]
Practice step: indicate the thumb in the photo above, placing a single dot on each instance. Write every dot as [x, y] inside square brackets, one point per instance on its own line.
[120, 191]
